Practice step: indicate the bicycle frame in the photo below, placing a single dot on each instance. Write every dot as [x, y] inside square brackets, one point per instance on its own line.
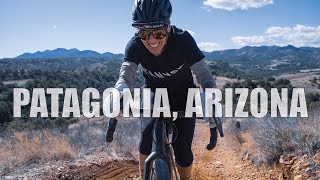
[160, 140]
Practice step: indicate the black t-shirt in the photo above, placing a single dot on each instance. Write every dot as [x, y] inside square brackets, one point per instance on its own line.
[171, 69]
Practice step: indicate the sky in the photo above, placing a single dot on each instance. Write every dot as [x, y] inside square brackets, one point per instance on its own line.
[105, 25]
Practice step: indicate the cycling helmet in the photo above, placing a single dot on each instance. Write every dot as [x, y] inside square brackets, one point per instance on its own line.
[151, 14]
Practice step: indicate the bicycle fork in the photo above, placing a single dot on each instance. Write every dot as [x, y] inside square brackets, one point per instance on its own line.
[158, 148]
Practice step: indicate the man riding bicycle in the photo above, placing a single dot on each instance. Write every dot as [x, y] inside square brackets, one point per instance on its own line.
[167, 55]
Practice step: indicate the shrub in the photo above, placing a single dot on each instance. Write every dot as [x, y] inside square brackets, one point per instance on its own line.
[276, 136]
[22, 148]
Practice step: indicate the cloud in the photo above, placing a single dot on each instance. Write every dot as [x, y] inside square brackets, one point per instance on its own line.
[298, 35]
[191, 32]
[209, 46]
[252, 41]
[231, 5]
[54, 27]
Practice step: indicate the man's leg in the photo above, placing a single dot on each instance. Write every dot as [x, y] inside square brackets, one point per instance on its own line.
[182, 147]
[145, 144]
[185, 173]
[142, 158]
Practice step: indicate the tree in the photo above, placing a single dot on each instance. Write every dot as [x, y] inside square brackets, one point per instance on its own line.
[313, 97]
[5, 115]
[271, 78]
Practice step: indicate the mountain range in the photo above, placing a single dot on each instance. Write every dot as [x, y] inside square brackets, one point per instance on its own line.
[67, 53]
[263, 60]
[266, 58]
[246, 53]
[265, 54]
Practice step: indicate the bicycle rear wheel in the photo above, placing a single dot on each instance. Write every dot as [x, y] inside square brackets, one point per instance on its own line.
[160, 170]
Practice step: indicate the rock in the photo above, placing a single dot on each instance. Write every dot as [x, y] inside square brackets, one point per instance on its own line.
[316, 157]
[219, 164]
[247, 157]
[281, 160]
[308, 170]
[287, 166]
[280, 177]
[297, 165]
[306, 165]
[72, 166]
[8, 177]
[59, 175]
[290, 156]
[292, 160]
[298, 177]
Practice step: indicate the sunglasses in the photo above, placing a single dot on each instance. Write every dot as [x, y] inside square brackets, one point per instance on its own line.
[157, 34]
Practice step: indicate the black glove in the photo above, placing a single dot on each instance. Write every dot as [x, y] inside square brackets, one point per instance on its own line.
[111, 128]
[213, 138]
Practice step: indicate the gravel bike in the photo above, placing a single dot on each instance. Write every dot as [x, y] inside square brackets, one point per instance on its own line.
[160, 163]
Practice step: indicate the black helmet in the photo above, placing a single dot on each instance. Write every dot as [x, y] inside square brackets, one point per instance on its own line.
[151, 14]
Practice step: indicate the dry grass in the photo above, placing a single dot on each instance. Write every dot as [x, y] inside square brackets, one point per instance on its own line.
[265, 140]
[275, 137]
[23, 148]
[90, 138]
[18, 149]
[221, 81]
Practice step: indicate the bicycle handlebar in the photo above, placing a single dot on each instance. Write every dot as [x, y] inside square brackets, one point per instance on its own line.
[213, 133]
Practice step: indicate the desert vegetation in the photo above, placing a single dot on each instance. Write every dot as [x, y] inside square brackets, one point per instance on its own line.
[64, 73]
[25, 148]
[291, 143]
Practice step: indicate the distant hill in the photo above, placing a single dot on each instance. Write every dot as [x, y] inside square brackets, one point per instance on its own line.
[67, 53]
[269, 58]
[257, 61]
[262, 56]
[265, 54]
[48, 64]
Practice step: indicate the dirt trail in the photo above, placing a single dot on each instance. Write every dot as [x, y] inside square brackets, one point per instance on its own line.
[218, 164]
[113, 170]
[224, 162]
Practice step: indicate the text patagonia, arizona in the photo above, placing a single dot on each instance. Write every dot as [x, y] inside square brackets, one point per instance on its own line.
[143, 102]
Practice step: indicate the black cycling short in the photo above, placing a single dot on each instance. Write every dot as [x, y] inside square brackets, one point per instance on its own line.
[182, 145]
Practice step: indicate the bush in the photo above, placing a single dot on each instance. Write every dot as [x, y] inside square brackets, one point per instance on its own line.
[90, 137]
[312, 97]
[22, 148]
[276, 136]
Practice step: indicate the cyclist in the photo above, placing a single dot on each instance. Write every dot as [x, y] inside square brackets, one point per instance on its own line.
[167, 55]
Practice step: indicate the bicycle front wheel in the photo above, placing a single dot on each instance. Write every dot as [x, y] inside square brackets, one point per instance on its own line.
[160, 170]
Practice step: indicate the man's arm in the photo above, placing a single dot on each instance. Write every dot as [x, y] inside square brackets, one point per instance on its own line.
[206, 80]
[127, 75]
[204, 77]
